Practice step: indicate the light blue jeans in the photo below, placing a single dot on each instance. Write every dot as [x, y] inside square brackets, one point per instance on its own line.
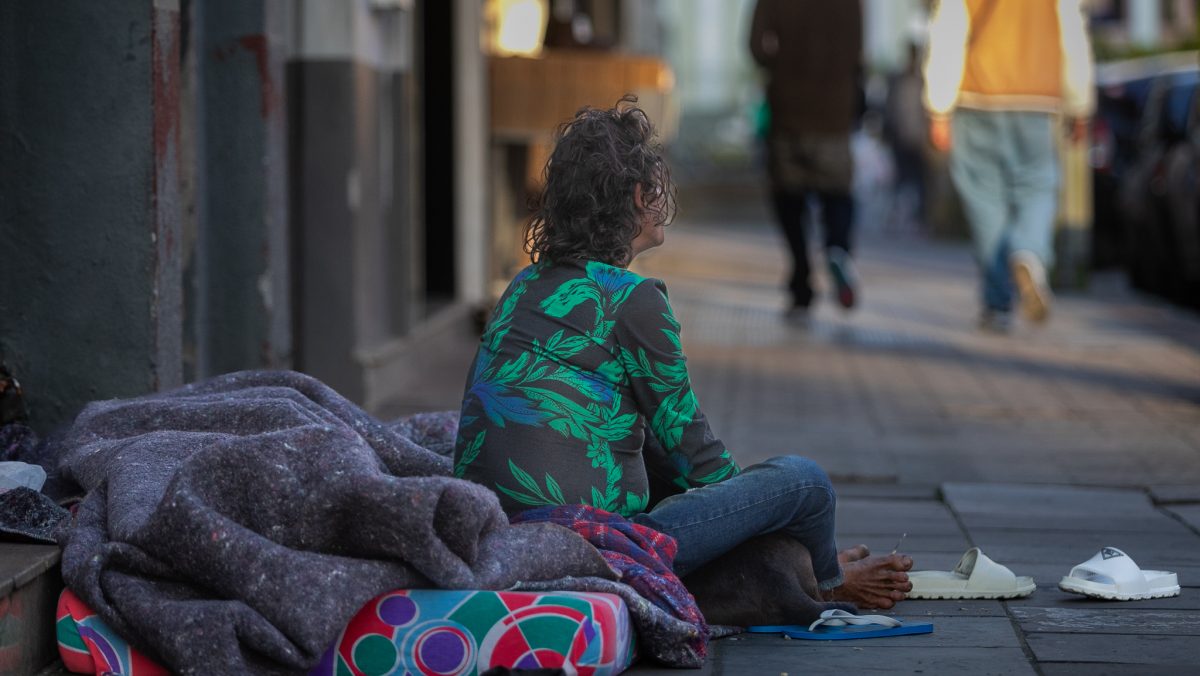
[789, 494]
[1004, 166]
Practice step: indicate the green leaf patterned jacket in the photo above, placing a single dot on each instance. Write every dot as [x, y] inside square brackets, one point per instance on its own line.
[580, 361]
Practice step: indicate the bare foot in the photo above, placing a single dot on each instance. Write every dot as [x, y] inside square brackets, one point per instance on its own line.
[872, 581]
[852, 554]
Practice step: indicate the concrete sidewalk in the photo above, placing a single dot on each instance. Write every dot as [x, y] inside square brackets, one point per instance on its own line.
[906, 389]
[1047, 633]
[1040, 447]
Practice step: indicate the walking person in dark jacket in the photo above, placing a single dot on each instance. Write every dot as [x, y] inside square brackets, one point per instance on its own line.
[812, 52]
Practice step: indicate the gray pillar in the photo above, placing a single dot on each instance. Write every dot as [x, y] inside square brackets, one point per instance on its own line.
[89, 200]
[242, 306]
[352, 141]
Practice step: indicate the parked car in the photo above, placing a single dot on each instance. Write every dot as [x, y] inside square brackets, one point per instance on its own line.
[1181, 195]
[1121, 92]
[1152, 252]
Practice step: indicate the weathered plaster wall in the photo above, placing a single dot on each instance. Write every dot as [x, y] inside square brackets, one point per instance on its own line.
[89, 264]
[242, 248]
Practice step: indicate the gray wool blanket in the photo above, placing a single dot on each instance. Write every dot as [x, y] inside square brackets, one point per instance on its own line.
[235, 525]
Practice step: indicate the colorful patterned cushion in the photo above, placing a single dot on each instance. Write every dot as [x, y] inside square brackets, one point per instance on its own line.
[421, 631]
[88, 646]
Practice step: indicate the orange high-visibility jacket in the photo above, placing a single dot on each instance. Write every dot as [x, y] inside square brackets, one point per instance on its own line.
[1009, 55]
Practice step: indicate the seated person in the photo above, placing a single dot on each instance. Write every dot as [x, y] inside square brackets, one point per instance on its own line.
[580, 393]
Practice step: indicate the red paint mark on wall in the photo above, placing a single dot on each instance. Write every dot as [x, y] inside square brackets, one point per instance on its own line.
[167, 107]
[165, 71]
[257, 45]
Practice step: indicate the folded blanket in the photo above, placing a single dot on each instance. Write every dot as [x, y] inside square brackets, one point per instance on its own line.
[27, 515]
[235, 525]
[643, 557]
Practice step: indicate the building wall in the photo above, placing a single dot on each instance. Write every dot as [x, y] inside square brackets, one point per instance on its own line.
[341, 76]
[89, 201]
[193, 187]
[706, 43]
[143, 198]
[241, 302]
[360, 229]
[470, 158]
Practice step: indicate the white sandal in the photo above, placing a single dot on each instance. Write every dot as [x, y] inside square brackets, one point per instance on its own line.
[975, 577]
[1112, 575]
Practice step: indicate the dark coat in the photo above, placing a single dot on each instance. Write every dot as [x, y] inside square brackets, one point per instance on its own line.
[812, 51]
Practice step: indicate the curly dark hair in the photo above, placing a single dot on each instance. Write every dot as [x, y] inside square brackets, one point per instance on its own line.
[585, 209]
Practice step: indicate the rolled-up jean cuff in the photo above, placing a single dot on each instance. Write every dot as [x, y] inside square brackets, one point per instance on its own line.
[831, 583]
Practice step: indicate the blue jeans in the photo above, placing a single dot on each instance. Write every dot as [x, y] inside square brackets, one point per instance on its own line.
[1005, 169]
[789, 494]
[998, 288]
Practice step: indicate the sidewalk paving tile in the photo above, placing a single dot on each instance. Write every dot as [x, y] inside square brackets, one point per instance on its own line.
[918, 608]
[1143, 547]
[887, 491]
[948, 631]
[1077, 669]
[1108, 621]
[1146, 523]
[901, 516]
[1176, 651]
[1036, 500]
[1050, 596]
[869, 657]
[712, 666]
[1190, 514]
[1174, 494]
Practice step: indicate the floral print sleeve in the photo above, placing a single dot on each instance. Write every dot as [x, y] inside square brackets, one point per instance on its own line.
[651, 353]
[579, 366]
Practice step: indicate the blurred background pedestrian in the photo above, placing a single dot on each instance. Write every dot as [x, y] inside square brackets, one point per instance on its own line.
[905, 130]
[812, 53]
[998, 75]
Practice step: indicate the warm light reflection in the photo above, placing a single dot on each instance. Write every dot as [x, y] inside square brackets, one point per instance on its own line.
[521, 27]
[944, 60]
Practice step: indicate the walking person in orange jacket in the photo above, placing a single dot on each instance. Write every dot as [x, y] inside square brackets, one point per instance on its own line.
[998, 75]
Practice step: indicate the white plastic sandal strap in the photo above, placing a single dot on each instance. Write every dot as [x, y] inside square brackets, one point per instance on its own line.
[1112, 566]
[984, 573]
[841, 618]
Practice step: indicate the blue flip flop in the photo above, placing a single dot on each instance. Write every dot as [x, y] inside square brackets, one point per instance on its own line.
[836, 625]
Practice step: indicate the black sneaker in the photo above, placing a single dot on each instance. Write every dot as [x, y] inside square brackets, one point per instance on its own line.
[841, 269]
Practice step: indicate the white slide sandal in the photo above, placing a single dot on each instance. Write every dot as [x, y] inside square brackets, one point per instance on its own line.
[975, 577]
[1112, 575]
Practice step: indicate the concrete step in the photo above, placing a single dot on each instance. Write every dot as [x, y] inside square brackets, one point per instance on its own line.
[30, 582]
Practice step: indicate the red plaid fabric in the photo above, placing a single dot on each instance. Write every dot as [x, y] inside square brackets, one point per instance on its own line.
[643, 557]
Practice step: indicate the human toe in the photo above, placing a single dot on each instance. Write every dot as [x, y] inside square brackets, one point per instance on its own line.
[855, 553]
